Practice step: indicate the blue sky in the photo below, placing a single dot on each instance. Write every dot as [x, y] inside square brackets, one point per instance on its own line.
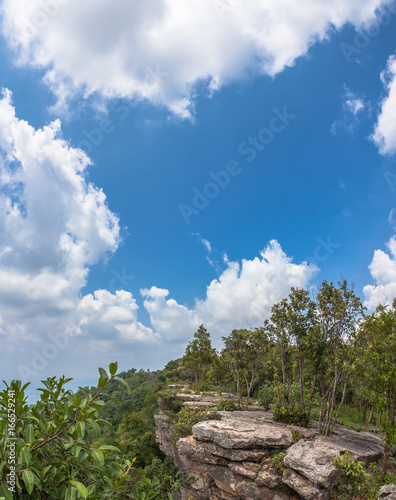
[166, 165]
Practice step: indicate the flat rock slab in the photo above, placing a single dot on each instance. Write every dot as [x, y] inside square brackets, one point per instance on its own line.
[304, 488]
[208, 452]
[239, 434]
[314, 460]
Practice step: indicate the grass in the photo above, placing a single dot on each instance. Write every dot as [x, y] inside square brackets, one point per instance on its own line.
[350, 417]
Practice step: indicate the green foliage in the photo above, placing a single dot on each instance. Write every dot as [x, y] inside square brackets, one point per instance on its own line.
[290, 414]
[170, 477]
[266, 395]
[296, 435]
[55, 457]
[199, 355]
[277, 461]
[186, 418]
[226, 405]
[169, 401]
[354, 481]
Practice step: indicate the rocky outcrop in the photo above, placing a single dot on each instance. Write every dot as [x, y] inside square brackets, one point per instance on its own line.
[387, 492]
[233, 458]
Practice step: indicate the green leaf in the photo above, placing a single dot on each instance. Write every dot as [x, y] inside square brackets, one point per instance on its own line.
[123, 382]
[71, 493]
[30, 433]
[80, 426]
[4, 491]
[77, 400]
[98, 457]
[82, 490]
[113, 367]
[102, 382]
[26, 456]
[28, 479]
[94, 425]
[108, 447]
[103, 373]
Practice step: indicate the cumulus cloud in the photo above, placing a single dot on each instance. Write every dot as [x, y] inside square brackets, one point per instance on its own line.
[241, 297]
[383, 271]
[384, 135]
[54, 225]
[160, 49]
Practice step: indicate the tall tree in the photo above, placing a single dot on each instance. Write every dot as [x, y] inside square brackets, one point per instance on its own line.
[245, 350]
[339, 312]
[377, 367]
[199, 355]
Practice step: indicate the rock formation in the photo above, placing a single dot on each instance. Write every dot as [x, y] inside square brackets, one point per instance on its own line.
[232, 458]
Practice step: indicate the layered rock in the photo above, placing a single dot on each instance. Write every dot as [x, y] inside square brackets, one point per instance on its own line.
[232, 458]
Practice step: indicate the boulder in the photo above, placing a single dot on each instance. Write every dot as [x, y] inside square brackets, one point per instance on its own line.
[304, 488]
[387, 492]
[239, 434]
[314, 460]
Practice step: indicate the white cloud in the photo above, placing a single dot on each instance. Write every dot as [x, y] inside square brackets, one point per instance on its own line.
[352, 107]
[54, 225]
[242, 296]
[384, 135]
[383, 271]
[159, 49]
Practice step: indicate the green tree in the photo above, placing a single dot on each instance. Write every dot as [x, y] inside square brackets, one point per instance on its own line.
[339, 312]
[377, 367]
[47, 450]
[199, 355]
[245, 351]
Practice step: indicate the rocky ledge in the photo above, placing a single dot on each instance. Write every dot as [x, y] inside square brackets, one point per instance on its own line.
[232, 458]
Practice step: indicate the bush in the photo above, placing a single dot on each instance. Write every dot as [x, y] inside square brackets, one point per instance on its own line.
[291, 414]
[266, 395]
[169, 401]
[51, 453]
[226, 405]
[277, 461]
[355, 482]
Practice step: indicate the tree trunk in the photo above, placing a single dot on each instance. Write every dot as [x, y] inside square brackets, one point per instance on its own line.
[385, 461]
[342, 399]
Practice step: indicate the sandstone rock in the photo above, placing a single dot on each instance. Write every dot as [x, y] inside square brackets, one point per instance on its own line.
[238, 434]
[197, 405]
[362, 445]
[304, 488]
[189, 397]
[164, 434]
[387, 492]
[191, 448]
[269, 478]
[242, 470]
[314, 460]
[212, 453]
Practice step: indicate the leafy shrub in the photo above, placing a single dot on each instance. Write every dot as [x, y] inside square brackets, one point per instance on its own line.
[226, 405]
[53, 453]
[170, 477]
[277, 461]
[354, 481]
[169, 401]
[186, 418]
[291, 414]
[266, 395]
[296, 435]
